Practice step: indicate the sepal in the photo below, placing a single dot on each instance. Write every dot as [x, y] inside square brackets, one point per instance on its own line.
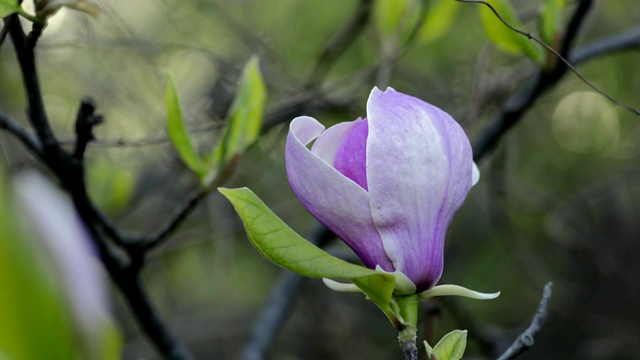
[455, 290]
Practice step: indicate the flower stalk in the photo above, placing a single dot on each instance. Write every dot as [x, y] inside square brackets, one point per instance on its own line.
[407, 312]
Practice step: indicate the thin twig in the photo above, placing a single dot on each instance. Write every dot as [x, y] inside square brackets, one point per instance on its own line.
[279, 306]
[526, 96]
[627, 40]
[559, 55]
[340, 42]
[85, 121]
[527, 338]
[4, 32]
[624, 41]
[27, 139]
[179, 215]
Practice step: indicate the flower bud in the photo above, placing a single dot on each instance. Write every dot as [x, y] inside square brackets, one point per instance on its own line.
[388, 185]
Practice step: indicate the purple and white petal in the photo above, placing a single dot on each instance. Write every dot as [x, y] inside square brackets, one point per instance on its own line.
[418, 171]
[327, 144]
[351, 157]
[337, 202]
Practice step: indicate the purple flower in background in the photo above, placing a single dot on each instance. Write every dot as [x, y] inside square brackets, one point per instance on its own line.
[388, 185]
[66, 242]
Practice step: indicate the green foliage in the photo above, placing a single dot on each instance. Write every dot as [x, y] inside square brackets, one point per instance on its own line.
[111, 186]
[550, 19]
[388, 15]
[279, 243]
[8, 7]
[440, 16]
[394, 19]
[450, 347]
[178, 132]
[505, 38]
[244, 122]
[245, 116]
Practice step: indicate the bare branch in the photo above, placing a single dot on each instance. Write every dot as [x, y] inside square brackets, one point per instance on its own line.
[526, 340]
[4, 32]
[574, 24]
[523, 99]
[179, 215]
[85, 121]
[28, 140]
[340, 42]
[628, 40]
[279, 306]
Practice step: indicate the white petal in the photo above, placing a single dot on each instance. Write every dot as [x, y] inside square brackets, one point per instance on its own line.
[326, 145]
[403, 285]
[342, 287]
[475, 174]
[455, 290]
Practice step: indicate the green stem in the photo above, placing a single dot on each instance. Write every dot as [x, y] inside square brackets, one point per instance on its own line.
[32, 18]
[407, 333]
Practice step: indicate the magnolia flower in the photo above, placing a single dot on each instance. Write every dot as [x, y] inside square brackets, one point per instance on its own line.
[388, 185]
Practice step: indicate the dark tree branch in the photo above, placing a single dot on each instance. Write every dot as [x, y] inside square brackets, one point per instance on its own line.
[527, 338]
[85, 121]
[26, 57]
[523, 99]
[179, 215]
[279, 306]
[340, 42]
[70, 172]
[628, 40]
[4, 32]
[22, 134]
[273, 316]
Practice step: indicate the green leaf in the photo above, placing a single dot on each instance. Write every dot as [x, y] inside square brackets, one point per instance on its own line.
[279, 243]
[8, 7]
[439, 20]
[379, 289]
[451, 346]
[428, 348]
[550, 19]
[244, 118]
[505, 38]
[179, 135]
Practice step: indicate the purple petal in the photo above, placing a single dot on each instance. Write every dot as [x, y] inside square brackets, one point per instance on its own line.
[351, 158]
[326, 145]
[419, 166]
[337, 202]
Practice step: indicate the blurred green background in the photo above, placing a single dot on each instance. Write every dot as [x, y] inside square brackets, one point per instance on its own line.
[559, 199]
